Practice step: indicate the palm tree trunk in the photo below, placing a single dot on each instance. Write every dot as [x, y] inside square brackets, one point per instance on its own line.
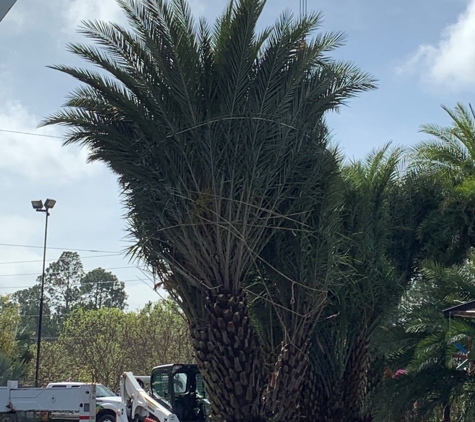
[284, 391]
[227, 355]
[355, 381]
[447, 409]
[342, 400]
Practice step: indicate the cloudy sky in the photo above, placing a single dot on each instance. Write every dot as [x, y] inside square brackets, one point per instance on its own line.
[422, 52]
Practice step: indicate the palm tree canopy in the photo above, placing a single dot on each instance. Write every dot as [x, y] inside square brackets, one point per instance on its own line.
[452, 152]
[205, 125]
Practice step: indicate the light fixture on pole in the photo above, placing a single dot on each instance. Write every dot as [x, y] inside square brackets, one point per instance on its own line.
[38, 206]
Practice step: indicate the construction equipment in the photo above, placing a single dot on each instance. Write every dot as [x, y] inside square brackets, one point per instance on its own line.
[21, 403]
[176, 395]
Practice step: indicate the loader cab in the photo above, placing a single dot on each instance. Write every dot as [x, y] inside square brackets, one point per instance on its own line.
[180, 388]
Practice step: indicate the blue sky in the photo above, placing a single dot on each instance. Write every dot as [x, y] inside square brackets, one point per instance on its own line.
[422, 53]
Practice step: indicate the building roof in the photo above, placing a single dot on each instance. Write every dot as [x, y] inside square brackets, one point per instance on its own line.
[464, 310]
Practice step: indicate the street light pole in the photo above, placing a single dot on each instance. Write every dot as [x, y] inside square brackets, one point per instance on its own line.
[38, 206]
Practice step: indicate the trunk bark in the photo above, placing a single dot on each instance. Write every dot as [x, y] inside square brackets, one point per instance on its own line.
[355, 381]
[342, 400]
[227, 353]
[447, 413]
[284, 391]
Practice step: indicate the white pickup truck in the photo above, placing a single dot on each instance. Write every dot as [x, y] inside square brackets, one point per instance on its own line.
[109, 406]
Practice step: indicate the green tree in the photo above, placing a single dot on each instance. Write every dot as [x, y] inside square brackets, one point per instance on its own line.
[422, 342]
[448, 160]
[452, 149]
[63, 282]
[11, 369]
[341, 355]
[102, 289]
[208, 129]
[156, 335]
[28, 301]
[92, 341]
[58, 364]
[99, 345]
[9, 324]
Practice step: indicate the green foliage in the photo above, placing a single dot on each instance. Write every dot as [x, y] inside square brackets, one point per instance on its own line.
[63, 282]
[448, 160]
[452, 151]
[66, 288]
[11, 369]
[92, 337]
[366, 286]
[99, 345]
[102, 289]
[423, 342]
[9, 322]
[28, 301]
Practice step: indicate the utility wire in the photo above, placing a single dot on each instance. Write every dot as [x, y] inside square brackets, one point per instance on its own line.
[57, 273]
[49, 260]
[61, 249]
[89, 282]
[30, 134]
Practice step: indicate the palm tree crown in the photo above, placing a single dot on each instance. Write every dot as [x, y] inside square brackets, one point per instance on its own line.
[452, 152]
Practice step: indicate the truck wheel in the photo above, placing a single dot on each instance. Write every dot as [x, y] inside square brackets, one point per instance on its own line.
[105, 417]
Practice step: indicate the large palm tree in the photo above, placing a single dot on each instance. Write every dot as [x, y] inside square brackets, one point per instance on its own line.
[208, 129]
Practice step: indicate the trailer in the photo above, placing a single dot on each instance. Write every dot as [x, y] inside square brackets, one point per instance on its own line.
[109, 407]
[24, 404]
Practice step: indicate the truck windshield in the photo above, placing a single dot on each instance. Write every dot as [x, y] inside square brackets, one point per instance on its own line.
[160, 385]
[102, 391]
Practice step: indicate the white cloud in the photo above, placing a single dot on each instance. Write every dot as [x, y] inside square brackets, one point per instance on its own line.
[13, 259]
[449, 64]
[106, 10]
[80, 10]
[38, 158]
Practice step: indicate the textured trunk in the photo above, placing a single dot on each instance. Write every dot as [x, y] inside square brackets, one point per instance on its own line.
[342, 400]
[355, 382]
[314, 399]
[227, 354]
[447, 413]
[284, 391]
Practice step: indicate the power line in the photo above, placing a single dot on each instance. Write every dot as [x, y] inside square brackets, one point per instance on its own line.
[49, 260]
[56, 273]
[30, 134]
[89, 282]
[61, 249]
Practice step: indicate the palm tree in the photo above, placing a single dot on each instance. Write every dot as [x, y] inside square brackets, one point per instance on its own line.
[452, 152]
[423, 342]
[449, 160]
[11, 370]
[208, 128]
[367, 287]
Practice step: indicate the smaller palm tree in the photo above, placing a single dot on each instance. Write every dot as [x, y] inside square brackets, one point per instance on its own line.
[424, 343]
[11, 370]
[448, 161]
[453, 150]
